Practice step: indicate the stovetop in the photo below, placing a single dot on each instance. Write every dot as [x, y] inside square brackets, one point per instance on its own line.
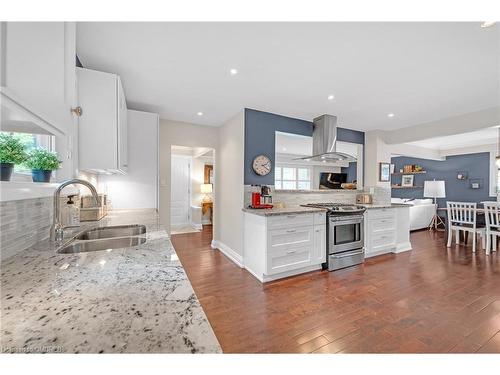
[336, 207]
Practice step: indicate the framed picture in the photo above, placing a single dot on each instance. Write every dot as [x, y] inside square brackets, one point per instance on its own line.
[476, 183]
[208, 175]
[407, 180]
[384, 172]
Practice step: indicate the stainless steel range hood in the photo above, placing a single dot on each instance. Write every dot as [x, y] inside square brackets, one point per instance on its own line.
[325, 141]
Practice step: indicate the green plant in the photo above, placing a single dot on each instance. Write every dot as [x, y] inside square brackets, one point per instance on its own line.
[42, 159]
[12, 150]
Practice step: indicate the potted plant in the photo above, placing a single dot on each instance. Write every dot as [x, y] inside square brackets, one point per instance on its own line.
[42, 162]
[12, 151]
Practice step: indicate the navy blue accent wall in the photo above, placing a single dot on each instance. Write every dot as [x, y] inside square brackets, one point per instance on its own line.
[351, 171]
[477, 166]
[260, 130]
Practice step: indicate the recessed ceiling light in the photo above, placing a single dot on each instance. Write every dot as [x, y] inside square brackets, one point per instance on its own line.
[233, 72]
[200, 113]
[488, 24]
[331, 97]
[324, 161]
[390, 115]
[284, 148]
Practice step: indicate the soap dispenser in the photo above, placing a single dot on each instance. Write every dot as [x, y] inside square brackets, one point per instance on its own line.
[72, 212]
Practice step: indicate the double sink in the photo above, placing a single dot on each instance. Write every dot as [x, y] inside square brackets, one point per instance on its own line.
[105, 238]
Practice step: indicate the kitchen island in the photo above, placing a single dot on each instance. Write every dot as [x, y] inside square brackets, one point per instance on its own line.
[129, 300]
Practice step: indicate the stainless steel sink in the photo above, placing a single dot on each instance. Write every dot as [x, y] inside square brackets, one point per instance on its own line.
[104, 244]
[112, 232]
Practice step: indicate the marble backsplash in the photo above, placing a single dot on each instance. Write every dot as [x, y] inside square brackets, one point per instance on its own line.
[23, 223]
[381, 195]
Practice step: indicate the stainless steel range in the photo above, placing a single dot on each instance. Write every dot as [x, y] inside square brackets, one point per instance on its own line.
[345, 239]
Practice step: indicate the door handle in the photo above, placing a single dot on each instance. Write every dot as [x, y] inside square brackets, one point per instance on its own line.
[348, 255]
[291, 230]
[291, 251]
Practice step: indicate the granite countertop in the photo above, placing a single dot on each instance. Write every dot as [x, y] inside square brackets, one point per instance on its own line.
[282, 211]
[133, 300]
[321, 191]
[302, 210]
[384, 205]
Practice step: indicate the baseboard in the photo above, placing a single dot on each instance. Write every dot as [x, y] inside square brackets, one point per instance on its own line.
[402, 247]
[228, 252]
[255, 275]
[282, 275]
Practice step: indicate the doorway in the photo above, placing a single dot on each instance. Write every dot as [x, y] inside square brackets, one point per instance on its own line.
[192, 189]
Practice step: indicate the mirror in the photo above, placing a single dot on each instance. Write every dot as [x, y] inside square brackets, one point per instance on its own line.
[293, 174]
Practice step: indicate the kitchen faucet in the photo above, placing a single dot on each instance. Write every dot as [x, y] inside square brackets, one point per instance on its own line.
[57, 230]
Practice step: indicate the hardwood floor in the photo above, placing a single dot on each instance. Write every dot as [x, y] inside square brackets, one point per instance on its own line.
[429, 300]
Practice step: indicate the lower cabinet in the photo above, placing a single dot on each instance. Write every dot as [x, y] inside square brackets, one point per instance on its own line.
[284, 245]
[386, 231]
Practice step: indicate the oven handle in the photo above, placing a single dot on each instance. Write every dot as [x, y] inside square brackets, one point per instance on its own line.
[343, 222]
[348, 255]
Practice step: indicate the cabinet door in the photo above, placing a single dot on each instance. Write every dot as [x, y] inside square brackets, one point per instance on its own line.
[122, 129]
[38, 71]
[98, 125]
[319, 244]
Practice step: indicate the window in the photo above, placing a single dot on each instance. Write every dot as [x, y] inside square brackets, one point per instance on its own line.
[32, 141]
[292, 178]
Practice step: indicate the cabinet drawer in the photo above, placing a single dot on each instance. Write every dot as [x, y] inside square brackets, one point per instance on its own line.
[289, 221]
[289, 237]
[284, 259]
[380, 213]
[382, 239]
[320, 218]
[382, 224]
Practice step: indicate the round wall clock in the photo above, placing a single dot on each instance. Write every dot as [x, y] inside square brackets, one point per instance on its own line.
[261, 165]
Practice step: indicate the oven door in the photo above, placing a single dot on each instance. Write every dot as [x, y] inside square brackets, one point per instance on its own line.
[345, 234]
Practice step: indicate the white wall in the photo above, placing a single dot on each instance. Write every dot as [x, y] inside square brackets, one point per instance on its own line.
[376, 151]
[229, 182]
[180, 134]
[139, 187]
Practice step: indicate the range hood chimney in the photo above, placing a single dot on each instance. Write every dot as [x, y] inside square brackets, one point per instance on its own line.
[325, 141]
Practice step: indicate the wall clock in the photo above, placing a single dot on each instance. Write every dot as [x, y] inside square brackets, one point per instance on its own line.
[261, 165]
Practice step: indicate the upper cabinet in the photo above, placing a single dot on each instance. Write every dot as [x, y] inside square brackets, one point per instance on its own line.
[102, 129]
[37, 76]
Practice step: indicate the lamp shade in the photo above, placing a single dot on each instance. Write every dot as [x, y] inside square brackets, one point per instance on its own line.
[434, 189]
[206, 188]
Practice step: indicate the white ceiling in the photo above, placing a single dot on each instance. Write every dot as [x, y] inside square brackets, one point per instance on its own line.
[419, 71]
[477, 138]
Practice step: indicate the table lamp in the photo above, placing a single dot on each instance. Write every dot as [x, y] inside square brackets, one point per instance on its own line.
[435, 189]
[206, 189]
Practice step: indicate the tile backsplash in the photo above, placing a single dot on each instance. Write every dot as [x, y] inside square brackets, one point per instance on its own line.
[296, 198]
[23, 223]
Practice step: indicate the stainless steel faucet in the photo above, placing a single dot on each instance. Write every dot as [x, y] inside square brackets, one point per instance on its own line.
[57, 230]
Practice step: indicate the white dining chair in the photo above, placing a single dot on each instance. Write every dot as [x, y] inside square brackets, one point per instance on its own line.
[492, 214]
[462, 217]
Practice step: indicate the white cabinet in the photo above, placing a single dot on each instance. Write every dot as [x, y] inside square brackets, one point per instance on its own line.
[319, 253]
[38, 76]
[103, 140]
[386, 231]
[284, 245]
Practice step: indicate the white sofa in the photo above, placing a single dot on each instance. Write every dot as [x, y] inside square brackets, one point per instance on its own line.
[421, 211]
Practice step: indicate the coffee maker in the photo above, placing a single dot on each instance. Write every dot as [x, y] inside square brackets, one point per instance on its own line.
[262, 198]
